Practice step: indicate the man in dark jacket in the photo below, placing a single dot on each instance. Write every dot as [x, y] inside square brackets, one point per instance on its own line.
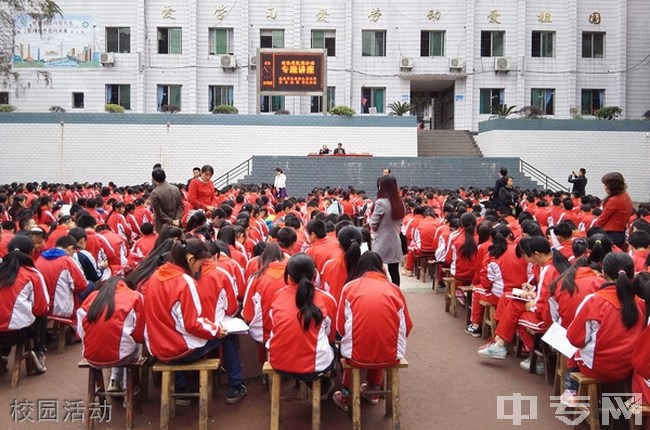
[579, 182]
[166, 201]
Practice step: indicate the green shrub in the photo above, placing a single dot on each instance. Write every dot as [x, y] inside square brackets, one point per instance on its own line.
[7, 108]
[282, 112]
[170, 108]
[503, 111]
[113, 108]
[341, 111]
[400, 108]
[57, 109]
[608, 112]
[225, 110]
[531, 112]
[646, 115]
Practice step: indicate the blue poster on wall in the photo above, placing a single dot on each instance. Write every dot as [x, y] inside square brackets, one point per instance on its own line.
[63, 42]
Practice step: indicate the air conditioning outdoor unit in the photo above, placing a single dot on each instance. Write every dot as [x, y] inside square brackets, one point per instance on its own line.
[502, 64]
[406, 63]
[456, 63]
[228, 61]
[253, 62]
[107, 58]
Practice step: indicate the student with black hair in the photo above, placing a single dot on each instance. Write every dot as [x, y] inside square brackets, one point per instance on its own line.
[609, 323]
[462, 258]
[322, 247]
[24, 299]
[641, 355]
[339, 271]
[301, 330]
[373, 321]
[639, 242]
[110, 324]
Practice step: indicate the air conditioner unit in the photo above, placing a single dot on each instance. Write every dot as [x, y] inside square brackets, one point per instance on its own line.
[456, 63]
[502, 64]
[406, 63]
[107, 58]
[228, 61]
[253, 62]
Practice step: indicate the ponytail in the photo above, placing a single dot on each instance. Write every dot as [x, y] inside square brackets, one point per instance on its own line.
[350, 239]
[500, 233]
[641, 286]
[620, 268]
[469, 248]
[560, 261]
[21, 247]
[105, 299]
[301, 269]
[181, 248]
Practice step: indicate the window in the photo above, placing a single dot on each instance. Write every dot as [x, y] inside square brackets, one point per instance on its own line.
[169, 40]
[119, 95]
[317, 101]
[543, 44]
[271, 38]
[432, 44]
[372, 99]
[324, 39]
[118, 39]
[77, 100]
[4, 97]
[592, 100]
[492, 43]
[491, 98]
[168, 95]
[220, 95]
[373, 43]
[544, 99]
[220, 41]
[593, 45]
[271, 103]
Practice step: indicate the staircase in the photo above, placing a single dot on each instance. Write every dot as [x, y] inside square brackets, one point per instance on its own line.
[447, 143]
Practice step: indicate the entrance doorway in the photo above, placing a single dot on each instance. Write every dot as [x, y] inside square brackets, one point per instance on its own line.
[434, 103]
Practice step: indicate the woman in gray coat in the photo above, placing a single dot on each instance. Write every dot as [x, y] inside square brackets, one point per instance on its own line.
[385, 223]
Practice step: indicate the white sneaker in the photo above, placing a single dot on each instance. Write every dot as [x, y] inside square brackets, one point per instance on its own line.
[494, 351]
[539, 366]
[114, 386]
[568, 398]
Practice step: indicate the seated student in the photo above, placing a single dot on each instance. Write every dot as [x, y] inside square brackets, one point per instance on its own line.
[561, 235]
[177, 333]
[322, 247]
[143, 246]
[374, 322]
[609, 323]
[639, 242]
[527, 314]
[63, 227]
[338, 271]
[221, 256]
[23, 297]
[110, 324]
[463, 249]
[301, 325]
[641, 355]
[64, 279]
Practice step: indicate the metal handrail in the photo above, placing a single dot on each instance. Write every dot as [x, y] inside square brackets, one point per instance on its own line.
[242, 169]
[541, 177]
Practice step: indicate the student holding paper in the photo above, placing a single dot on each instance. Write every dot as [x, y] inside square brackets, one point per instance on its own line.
[521, 315]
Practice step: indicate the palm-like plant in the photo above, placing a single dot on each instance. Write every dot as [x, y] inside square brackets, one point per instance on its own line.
[400, 108]
[503, 111]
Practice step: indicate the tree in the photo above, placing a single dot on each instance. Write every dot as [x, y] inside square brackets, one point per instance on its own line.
[42, 11]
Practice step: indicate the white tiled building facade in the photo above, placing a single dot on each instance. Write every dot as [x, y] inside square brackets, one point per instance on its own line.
[462, 57]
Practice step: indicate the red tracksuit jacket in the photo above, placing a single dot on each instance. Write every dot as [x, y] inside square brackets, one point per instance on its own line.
[562, 306]
[261, 289]
[23, 301]
[64, 280]
[216, 292]
[335, 273]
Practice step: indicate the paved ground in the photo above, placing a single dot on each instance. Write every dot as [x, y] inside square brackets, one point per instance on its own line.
[447, 386]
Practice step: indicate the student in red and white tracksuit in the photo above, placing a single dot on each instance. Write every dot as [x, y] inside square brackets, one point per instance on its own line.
[423, 240]
[461, 261]
[63, 277]
[609, 323]
[374, 322]
[176, 332]
[301, 331]
[24, 300]
[112, 340]
[337, 270]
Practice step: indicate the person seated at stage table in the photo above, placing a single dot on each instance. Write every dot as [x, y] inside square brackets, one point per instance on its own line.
[339, 150]
[324, 150]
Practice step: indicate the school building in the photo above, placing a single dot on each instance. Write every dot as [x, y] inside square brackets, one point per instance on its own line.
[454, 60]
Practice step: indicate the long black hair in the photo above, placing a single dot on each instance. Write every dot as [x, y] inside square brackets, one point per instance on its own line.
[105, 300]
[271, 253]
[350, 239]
[641, 286]
[388, 189]
[158, 256]
[369, 262]
[469, 248]
[182, 248]
[20, 251]
[619, 267]
[530, 245]
[301, 269]
[500, 235]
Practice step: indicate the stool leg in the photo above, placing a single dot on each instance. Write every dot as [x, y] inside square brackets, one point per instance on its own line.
[60, 337]
[275, 400]
[129, 398]
[144, 382]
[90, 397]
[19, 354]
[315, 404]
[453, 300]
[394, 393]
[204, 397]
[355, 400]
[165, 399]
[592, 392]
[388, 386]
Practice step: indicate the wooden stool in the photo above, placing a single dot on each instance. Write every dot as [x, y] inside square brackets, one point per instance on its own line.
[422, 265]
[434, 268]
[560, 375]
[22, 352]
[588, 387]
[488, 319]
[96, 388]
[467, 292]
[644, 411]
[275, 382]
[62, 326]
[450, 295]
[392, 391]
[167, 406]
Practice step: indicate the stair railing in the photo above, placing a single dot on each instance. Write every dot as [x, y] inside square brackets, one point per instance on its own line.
[541, 177]
[233, 174]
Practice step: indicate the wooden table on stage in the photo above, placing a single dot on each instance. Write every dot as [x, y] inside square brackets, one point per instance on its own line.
[313, 154]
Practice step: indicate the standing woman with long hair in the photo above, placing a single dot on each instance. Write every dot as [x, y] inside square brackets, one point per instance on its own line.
[386, 222]
[617, 208]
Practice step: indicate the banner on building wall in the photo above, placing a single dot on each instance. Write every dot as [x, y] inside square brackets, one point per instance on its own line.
[62, 42]
[299, 72]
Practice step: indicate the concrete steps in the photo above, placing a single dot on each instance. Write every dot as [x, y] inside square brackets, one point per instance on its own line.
[447, 143]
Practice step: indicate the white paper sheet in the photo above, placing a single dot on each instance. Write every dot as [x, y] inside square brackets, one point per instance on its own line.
[556, 337]
[234, 325]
